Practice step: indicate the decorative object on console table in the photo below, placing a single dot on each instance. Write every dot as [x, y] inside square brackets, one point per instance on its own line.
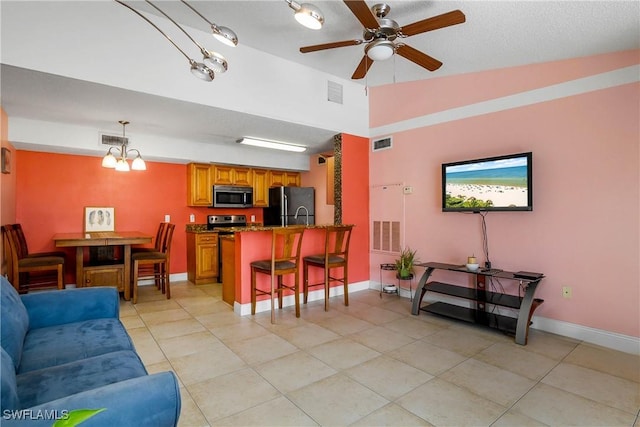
[98, 219]
[482, 298]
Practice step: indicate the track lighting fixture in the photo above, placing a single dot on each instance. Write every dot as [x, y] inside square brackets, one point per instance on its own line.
[222, 34]
[213, 60]
[307, 14]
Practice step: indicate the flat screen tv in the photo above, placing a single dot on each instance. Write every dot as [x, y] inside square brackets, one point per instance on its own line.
[500, 183]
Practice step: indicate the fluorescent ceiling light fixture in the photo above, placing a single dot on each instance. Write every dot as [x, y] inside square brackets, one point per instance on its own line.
[272, 144]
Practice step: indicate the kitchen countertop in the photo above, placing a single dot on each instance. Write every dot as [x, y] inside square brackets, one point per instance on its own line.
[202, 228]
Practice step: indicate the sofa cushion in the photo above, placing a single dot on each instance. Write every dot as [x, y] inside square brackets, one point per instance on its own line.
[8, 390]
[45, 385]
[14, 321]
[55, 345]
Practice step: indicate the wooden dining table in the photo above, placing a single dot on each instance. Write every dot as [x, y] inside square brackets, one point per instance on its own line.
[112, 272]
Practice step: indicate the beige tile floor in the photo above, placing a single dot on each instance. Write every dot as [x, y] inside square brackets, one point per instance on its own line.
[370, 364]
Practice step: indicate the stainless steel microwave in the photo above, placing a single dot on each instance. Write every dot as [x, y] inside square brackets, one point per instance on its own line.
[232, 196]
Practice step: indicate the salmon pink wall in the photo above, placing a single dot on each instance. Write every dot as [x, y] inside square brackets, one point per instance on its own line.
[317, 177]
[583, 231]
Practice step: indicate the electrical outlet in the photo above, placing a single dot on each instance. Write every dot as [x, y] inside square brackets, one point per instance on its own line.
[167, 218]
[566, 291]
[192, 218]
[407, 189]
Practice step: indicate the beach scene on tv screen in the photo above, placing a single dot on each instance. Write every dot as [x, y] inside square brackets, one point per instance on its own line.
[490, 184]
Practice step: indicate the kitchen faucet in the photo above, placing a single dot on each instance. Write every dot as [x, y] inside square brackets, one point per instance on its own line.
[298, 210]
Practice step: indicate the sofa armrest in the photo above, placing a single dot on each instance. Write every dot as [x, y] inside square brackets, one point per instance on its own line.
[151, 400]
[71, 305]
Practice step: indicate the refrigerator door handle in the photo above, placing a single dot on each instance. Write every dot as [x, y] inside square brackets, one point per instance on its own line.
[285, 217]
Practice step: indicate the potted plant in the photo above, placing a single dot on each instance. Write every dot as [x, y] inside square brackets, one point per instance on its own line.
[404, 264]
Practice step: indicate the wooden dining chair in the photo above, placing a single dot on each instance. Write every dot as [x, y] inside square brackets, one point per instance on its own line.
[285, 259]
[19, 268]
[160, 259]
[157, 247]
[336, 255]
[24, 248]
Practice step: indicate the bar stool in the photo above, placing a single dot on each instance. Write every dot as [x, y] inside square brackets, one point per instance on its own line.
[285, 259]
[336, 255]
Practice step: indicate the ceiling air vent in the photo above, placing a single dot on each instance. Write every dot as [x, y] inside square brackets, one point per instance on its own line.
[334, 92]
[113, 140]
[382, 144]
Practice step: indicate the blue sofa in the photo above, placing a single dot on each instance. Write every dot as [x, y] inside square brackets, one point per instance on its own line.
[66, 355]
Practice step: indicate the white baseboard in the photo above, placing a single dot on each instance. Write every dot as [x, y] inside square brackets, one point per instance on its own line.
[613, 340]
[287, 301]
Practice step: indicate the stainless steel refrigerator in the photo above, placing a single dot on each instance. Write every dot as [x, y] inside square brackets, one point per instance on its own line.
[290, 206]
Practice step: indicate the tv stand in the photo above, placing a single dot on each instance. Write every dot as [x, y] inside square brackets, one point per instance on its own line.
[481, 314]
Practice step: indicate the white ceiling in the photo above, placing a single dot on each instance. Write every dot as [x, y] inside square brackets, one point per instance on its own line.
[496, 34]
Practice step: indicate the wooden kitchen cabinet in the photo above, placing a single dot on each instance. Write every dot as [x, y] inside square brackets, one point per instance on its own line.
[202, 258]
[260, 188]
[199, 191]
[279, 178]
[231, 175]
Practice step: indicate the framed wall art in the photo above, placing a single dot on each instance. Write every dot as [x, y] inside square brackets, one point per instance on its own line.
[99, 219]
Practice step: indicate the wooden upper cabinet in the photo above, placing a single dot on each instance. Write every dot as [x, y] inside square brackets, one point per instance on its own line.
[261, 188]
[199, 191]
[223, 175]
[242, 176]
[292, 179]
[231, 175]
[284, 178]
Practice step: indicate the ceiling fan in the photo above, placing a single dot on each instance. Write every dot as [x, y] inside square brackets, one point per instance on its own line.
[381, 36]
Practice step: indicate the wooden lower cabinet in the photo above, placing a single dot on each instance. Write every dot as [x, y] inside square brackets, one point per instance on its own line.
[104, 275]
[228, 246]
[202, 258]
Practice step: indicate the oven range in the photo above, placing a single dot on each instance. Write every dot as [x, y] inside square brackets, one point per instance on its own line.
[222, 224]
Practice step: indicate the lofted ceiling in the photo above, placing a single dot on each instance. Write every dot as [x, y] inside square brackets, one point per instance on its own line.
[496, 34]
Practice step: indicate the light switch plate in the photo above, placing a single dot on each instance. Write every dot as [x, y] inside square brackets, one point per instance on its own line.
[192, 218]
[407, 189]
[167, 218]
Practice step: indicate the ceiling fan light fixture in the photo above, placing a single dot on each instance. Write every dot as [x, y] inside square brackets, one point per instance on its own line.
[224, 35]
[263, 143]
[380, 50]
[307, 14]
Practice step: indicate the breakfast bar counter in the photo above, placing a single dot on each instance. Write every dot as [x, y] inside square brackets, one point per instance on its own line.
[254, 243]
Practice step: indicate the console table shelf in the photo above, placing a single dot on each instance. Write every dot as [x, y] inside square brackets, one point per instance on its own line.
[497, 321]
[481, 314]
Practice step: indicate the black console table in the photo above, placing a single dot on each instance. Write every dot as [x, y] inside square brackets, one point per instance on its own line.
[481, 314]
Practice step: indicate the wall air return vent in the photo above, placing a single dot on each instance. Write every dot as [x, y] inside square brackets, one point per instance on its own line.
[113, 140]
[382, 144]
[334, 92]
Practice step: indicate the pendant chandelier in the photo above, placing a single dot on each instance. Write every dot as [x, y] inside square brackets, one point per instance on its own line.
[120, 164]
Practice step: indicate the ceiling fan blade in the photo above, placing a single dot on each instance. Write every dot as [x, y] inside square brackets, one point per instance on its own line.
[307, 49]
[360, 9]
[422, 59]
[363, 67]
[435, 22]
